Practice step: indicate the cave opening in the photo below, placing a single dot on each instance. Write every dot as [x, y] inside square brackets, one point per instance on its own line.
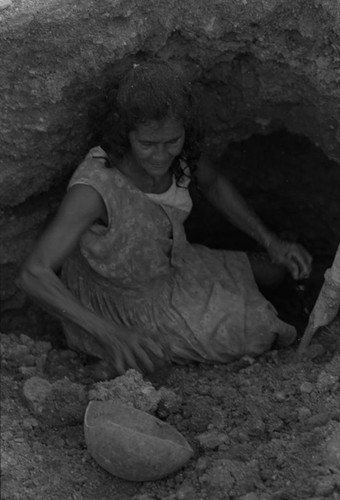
[291, 184]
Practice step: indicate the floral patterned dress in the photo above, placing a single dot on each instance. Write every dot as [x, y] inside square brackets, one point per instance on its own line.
[141, 272]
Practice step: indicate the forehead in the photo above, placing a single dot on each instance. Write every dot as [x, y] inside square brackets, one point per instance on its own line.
[160, 130]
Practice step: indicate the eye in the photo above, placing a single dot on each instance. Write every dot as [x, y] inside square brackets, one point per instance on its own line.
[174, 141]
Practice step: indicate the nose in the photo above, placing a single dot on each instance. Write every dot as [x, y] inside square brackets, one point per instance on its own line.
[160, 153]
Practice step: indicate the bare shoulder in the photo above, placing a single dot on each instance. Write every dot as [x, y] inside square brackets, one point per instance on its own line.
[82, 203]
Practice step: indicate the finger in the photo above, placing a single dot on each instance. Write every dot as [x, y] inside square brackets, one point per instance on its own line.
[293, 267]
[302, 263]
[113, 355]
[303, 258]
[119, 363]
[152, 346]
[164, 356]
[142, 357]
[130, 358]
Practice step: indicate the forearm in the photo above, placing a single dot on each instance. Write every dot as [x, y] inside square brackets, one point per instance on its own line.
[228, 201]
[45, 287]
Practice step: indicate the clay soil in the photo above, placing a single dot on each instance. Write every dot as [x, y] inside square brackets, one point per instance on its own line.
[259, 428]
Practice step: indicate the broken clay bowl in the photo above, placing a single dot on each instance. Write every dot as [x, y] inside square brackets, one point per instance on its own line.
[132, 444]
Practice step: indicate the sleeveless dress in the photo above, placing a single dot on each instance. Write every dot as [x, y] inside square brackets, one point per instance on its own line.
[141, 272]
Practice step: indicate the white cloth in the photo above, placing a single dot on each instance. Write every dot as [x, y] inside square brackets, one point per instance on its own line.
[176, 196]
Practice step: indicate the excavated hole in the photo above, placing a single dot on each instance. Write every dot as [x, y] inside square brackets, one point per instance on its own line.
[291, 184]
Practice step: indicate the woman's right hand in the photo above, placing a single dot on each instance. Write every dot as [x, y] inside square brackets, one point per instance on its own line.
[127, 349]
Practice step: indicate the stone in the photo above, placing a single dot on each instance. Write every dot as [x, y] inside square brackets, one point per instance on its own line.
[186, 492]
[29, 360]
[306, 388]
[326, 381]
[314, 351]
[130, 389]
[280, 396]
[211, 440]
[30, 423]
[319, 419]
[4, 4]
[304, 413]
[36, 391]
[131, 443]
[28, 371]
[42, 347]
[55, 404]
[324, 486]
[332, 450]
[169, 402]
[250, 496]
[333, 367]
[226, 475]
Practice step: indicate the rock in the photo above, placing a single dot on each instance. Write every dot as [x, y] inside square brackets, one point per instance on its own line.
[42, 347]
[201, 465]
[226, 475]
[280, 396]
[131, 443]
[130, 389]
[332, 450]
[186, 492]
[29, 360]
[324, 486]
[250, 496]
[319, 419]
[255, 426]
[26, 340]
[211, 440]
[15, 352]
[143, 496]
[326, 381]
[30, 423]
[60, 403]
[169, 402]
[68, 401]
[4, 4]
[333, 367]
[306, 388]
[314, 351]
[28, 371]
[218, 418]
[304, 413]
[41, 362]
[36, 391]
[337, 480]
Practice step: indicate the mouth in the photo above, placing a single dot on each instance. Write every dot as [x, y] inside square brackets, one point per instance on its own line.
[160, 166]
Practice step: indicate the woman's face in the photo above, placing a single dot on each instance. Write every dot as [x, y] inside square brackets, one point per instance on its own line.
[155, 145]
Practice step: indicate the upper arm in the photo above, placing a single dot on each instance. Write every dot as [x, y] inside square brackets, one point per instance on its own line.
[206, 173]
[80, 208]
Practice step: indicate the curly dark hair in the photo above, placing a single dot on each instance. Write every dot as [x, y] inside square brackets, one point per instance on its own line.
[151, 91]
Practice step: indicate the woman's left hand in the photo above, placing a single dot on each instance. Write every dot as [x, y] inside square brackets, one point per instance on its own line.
[292, 256]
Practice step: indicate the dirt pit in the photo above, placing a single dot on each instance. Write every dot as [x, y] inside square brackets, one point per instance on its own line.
[261, 429]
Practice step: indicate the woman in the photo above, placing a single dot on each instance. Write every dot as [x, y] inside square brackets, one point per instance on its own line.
[132, 289]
